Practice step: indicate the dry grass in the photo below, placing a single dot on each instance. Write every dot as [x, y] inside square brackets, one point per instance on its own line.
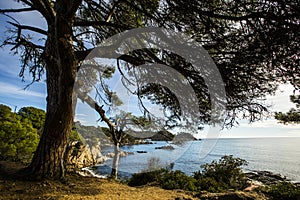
[80, 188]
[94, 188]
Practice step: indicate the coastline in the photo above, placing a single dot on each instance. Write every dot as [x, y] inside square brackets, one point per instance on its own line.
[79, 187]
[275, 156]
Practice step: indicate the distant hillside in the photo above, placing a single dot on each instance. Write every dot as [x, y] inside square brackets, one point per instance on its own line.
[162, 136]
[183, 137]
[90, 133]
[102, 134]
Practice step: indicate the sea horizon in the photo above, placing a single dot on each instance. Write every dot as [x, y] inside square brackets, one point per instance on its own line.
[278, 155]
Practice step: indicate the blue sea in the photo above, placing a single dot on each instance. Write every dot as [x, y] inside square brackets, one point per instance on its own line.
[277, 155]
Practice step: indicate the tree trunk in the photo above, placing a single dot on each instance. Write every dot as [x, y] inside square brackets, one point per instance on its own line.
[61, 64]
[114, 171]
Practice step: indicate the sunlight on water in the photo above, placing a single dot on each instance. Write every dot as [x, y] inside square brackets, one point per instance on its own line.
[278, 155]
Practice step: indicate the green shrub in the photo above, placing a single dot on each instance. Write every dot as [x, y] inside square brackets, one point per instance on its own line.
[208, 184]
[282, 190]
[35, 115]
[177, 180]
[215, 177]
[164, 178]
[76, 136]
[145, 178]
[226, 172]
[153, 164]
[18, 139]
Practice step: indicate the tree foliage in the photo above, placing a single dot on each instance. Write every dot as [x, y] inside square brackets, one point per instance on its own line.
[293, 115]
[255, 45]
[282, 190]
[226, 172]
[35, 115]
[217, 176]
[18, 138]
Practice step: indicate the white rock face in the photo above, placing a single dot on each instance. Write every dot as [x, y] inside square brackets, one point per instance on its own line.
[81, 155]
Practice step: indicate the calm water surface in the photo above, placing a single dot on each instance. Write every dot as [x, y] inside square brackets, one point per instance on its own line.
[278, 155]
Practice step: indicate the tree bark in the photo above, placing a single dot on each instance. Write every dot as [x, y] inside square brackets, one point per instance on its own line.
[115, 165]
[61, 64]
[115, 135]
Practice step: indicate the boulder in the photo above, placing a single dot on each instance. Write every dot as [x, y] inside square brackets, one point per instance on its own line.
[79, 155]
[167, 147]
[265, 177]
[122, 154]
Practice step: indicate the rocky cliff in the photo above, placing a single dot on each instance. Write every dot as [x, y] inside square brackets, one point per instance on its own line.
[79, 155]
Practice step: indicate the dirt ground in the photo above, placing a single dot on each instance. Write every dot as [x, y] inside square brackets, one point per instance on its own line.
[94, 188]
[79, 188]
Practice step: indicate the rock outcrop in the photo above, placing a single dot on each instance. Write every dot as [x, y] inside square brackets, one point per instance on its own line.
[162, 136]
[122, 154]
[265, 177]
[167, 147]
[79, 155]
[182, 138]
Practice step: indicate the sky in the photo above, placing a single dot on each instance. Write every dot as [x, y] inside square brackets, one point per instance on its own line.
[13, 94]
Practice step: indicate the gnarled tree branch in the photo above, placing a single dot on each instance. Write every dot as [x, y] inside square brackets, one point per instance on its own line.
[45, 8]
[31, 28]
[16, 10]
[73, 8]
[84, 23]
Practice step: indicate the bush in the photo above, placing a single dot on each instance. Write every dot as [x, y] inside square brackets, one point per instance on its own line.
[282, 190]
[177, 180]
[18, 139]
[153, 164]
[145, 178]
[35, 115]
[226, 172]
[164, 178]
[215, 177]
[208, 184]
[75, 136]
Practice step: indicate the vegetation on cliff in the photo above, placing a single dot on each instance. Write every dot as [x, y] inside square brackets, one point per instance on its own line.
[19, 133]
[214, 177]
[222, 178]
[254, 44]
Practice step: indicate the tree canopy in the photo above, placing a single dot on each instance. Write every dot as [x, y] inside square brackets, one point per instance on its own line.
[18, 138]
[293, 115]
[255, 45]
[35, 115]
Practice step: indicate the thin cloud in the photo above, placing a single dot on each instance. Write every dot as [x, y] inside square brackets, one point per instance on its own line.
[281, 100]
[80, 115]
[82, 121]
[28, 18]
[293, 132]
[10, 90]
[271, 123]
